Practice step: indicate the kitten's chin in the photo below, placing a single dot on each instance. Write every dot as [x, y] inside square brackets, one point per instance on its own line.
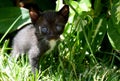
[52, 44]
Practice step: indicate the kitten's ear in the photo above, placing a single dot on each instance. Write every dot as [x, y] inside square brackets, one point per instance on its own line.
[64, 11]
[34, 15]
[33, 10]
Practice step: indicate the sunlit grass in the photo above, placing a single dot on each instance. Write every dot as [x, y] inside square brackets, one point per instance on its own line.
[64, 69]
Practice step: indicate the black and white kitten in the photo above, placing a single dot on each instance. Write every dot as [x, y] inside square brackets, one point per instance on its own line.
[41, 35]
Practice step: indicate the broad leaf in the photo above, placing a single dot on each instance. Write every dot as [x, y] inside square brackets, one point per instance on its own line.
[6, 3]
[114, 27]
[9, 15]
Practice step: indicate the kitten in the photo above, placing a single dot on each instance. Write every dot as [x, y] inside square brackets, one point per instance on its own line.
[41, 35]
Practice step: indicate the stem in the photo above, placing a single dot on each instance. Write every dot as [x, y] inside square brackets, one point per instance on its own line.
[87, 41]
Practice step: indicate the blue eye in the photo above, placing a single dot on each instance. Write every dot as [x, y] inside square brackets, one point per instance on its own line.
[59, 28]
[44, 30]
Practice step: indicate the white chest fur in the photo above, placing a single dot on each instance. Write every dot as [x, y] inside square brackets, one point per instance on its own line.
[52, 44]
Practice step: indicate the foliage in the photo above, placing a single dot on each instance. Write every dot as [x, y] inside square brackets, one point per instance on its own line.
[88, 51]
[7, 16]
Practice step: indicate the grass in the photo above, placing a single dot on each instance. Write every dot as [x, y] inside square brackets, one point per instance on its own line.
[63, 68]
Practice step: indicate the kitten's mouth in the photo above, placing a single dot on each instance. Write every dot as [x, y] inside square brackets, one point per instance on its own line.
[53, 37]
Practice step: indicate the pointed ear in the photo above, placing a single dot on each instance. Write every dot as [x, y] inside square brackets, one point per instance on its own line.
[64, 11]
[34, 15]
[33, 10]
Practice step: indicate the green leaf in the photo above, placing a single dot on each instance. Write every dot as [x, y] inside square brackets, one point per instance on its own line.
[9, 15]
[85, 5]
[6, 3]
[99, 30]
[114, 26]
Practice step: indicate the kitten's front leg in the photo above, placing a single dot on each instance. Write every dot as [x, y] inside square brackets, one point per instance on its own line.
[34, 56]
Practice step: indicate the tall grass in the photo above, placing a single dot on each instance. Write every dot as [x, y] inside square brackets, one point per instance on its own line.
[64, 68]
[76, 58]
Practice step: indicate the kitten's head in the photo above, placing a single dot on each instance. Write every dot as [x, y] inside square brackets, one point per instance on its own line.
[50, 24]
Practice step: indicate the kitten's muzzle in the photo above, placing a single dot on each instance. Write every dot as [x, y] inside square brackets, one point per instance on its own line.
[53, 37]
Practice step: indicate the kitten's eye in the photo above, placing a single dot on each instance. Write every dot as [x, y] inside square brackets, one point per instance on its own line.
[59, 28]
[44, 30]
